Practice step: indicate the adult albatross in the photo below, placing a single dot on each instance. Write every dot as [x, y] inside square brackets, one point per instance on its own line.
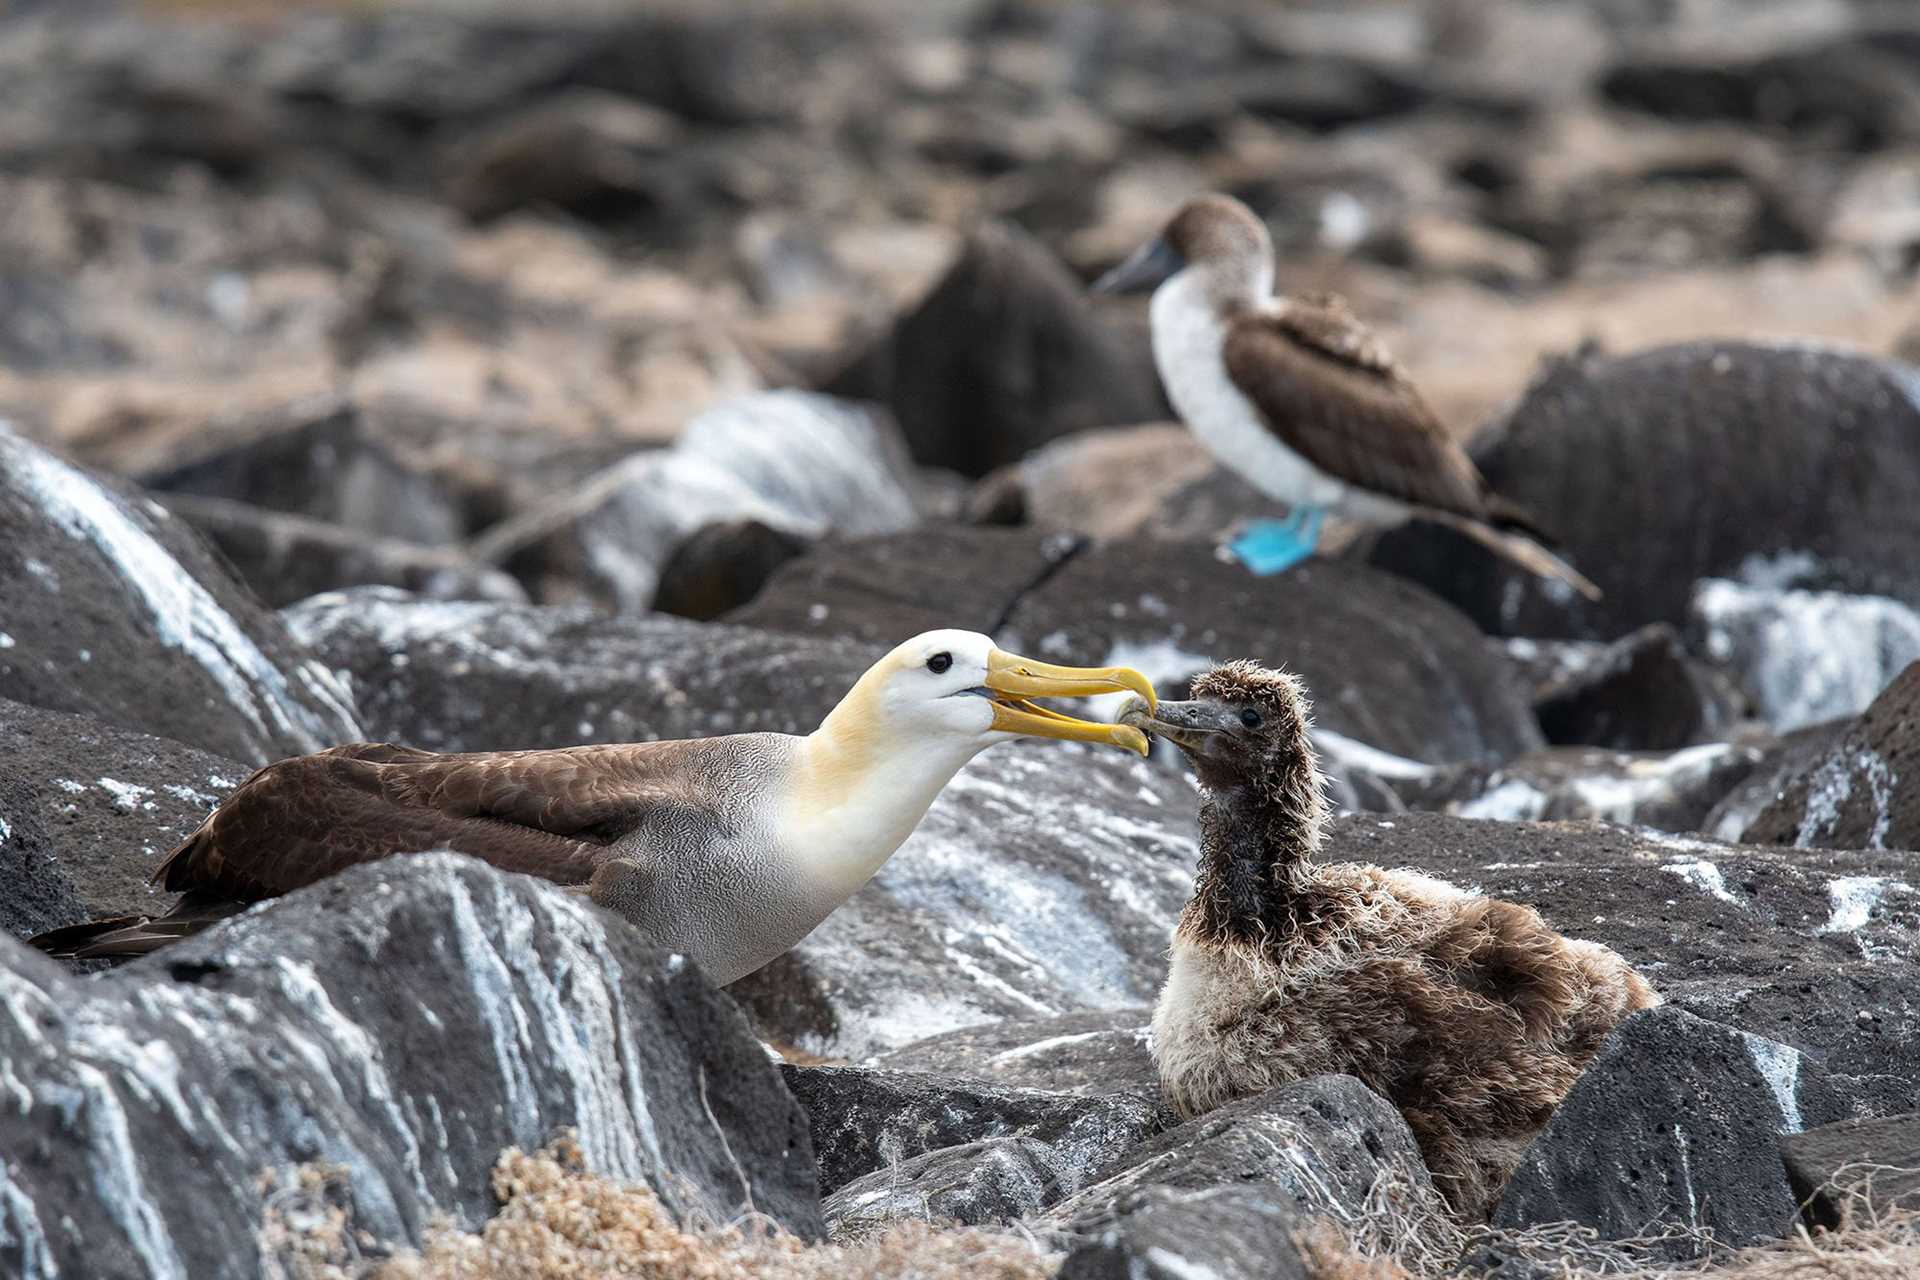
[728, 849]
[1300, 398]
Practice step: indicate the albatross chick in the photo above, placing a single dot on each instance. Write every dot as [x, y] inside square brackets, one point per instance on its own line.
[729, 849]
[1469, 1014]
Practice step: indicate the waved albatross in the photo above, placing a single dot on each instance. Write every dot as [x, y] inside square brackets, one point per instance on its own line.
[1296, 395]
[729, 849]
[1469, 1014]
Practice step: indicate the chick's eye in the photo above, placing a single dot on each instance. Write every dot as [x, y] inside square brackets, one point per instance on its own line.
[939, 662]
[1250, 718]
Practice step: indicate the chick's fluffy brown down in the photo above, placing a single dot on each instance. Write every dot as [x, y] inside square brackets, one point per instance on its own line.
[1470, 1014]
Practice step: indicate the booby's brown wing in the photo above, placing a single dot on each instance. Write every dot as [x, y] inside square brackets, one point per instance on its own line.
[1328, 390]
[545, 813]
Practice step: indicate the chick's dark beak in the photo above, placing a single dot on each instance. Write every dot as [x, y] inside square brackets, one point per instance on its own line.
[1185, 724]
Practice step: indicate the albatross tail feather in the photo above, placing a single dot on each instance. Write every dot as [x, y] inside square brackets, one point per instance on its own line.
[1521, 549]
[124, 937]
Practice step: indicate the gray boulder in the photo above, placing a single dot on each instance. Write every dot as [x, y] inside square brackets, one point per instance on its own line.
[866, 1120]
[1221, 1233]
[1096, 1053]
[103, 806]
[1699, 460]
[1857, 794]
[994, 1180]
[1676, 1124]
[1004, 354]
[112, 608]
[286, 557]
[1803, 657]
[406, 1021]
[1322, 1146]
[800, 464]
[479, 676]
[1855, 1170]
[883, 589]
[1642, 692]
[1665, 790]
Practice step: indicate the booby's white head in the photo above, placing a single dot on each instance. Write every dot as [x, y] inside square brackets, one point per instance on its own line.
[1213, 240]
[875, 764]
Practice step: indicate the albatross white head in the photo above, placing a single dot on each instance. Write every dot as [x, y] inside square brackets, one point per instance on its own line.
[871, 770]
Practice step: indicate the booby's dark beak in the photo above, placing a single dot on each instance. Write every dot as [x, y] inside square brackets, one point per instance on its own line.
[1185, 724]
[1148, 265]
[1013, 679]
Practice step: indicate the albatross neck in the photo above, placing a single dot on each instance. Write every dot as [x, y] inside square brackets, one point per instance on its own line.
[1256, 843]
[858, 791]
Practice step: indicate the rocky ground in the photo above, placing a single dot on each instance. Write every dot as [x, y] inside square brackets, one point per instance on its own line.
[480, 378]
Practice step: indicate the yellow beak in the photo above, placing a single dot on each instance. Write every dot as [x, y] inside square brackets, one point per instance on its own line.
[1014, 679]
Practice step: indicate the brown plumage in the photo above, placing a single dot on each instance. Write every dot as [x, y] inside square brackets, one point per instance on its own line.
[554, 814]
[1470, 1014]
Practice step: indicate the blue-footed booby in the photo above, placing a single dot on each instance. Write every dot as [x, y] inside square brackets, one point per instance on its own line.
[1469, 1014]
[728, 849]
[1299, 397]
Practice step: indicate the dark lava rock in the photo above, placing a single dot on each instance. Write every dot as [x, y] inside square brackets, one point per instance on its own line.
[1323, 1144]
[721, 567]
[1849, 91]
[1698, 460]
[114, 609]
[405, 1020]
[1782, 760]
[1803, 657]
[40, 895]
[1641, 693]
[1813, 948]
[884, 590]
[107, 804]
[324, 459]
[1094, 1053]
[473, 676]
[1154, 481]
[285, 557]
[591, 153]
[1668, 791]
[1837, 1170]
[1677, 1123]
[864, 1120]
[1387, 664]
[1221, 1233]
[1857, 794]
[994, 1180]
[801, 464]
[1002, 356]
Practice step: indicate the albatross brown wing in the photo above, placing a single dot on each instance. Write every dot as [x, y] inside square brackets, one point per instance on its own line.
[1328, 390]
[545, 813]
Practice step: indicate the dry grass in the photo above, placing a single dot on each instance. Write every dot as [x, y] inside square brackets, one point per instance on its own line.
[1392, 1238]
[558, 1222]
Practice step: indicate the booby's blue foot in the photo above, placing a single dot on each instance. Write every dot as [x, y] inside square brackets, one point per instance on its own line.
[1269, 546]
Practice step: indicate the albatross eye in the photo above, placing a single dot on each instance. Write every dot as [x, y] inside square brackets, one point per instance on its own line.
[1250, 718]
[939, 662]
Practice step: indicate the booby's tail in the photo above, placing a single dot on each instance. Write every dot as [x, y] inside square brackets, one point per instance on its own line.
[1518, 540]
[124, 937]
